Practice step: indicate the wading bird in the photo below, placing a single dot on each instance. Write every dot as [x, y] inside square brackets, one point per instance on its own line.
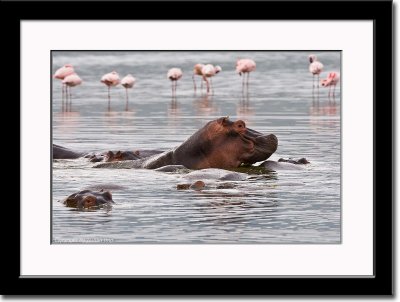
[63, 72]
[332, 79]
[110, 79]
[315, 67]
[128, 82]
[245, 66]
[174, 74]
[208, 71]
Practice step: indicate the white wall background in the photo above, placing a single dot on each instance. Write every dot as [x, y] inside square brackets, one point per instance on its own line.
[397, 84]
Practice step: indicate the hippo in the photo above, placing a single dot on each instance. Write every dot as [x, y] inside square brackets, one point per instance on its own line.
[285, 164]
[301, 161]
[87, 199]
[60, 152]
[221, 143]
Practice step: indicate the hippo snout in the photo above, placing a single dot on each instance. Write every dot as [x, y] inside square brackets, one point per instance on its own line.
[268, 141]
[265, 146]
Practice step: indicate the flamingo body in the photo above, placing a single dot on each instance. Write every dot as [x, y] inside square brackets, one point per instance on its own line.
[64, 71]
[245, 66]
[197, 69]
[315, 66]
[128, 81]
[72, 80]
[111, 79]
[332, 79]
[174, 74]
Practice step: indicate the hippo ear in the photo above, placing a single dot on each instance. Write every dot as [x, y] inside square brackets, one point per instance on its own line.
[223, 120]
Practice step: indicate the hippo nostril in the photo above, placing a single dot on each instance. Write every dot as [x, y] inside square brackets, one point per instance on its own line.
[240, 124]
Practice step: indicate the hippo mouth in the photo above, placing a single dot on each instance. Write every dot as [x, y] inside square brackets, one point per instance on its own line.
[263, 146]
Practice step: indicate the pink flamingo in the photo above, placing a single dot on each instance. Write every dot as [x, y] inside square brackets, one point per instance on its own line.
[63, 72]
[128, 82]
[174, 74]
[197, 71]
[110, 79]
[245, 66]
[332, 79]
[315, 67]
[208, 71]
[69, 81]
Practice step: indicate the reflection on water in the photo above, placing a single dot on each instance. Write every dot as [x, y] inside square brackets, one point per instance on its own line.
[244, 109]
[204, 105]
[299, 206]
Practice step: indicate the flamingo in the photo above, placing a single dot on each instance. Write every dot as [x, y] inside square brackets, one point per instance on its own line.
[332, 79]
[315, 67]
[197, 71]
[110, 79]
[208, 71]
[69, 81]
[174, 74]
[63, 72]
[245, 66]
[128, 82]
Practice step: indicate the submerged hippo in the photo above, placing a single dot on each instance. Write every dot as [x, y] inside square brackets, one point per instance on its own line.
[60, 152]
[220, 144]
[88, 199]
[285, 164]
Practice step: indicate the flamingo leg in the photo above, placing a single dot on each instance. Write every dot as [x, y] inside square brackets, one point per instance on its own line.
[70, 99]
[318, 81]
[109, 99]
[194, 83]
[201, 87]
[62, 98]
[248, 76]
[66, 99]
[207, 84]
[211, 86]
[127, 99]
[63, 93]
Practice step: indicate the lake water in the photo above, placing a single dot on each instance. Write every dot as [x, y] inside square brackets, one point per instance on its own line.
[293, 206]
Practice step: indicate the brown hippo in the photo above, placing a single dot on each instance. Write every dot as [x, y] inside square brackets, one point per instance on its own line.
[88, 199]
[60, 152]
[220, 144]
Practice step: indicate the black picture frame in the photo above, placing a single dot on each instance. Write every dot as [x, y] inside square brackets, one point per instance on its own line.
[381, 283]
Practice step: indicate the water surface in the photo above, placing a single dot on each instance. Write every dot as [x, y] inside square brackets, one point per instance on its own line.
[279, 207]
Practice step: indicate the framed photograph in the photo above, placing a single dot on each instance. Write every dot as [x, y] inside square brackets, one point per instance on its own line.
[175, 153]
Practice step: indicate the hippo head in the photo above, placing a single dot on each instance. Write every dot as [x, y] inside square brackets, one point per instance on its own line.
[121, 155]
[87, 199]
[225, 144]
